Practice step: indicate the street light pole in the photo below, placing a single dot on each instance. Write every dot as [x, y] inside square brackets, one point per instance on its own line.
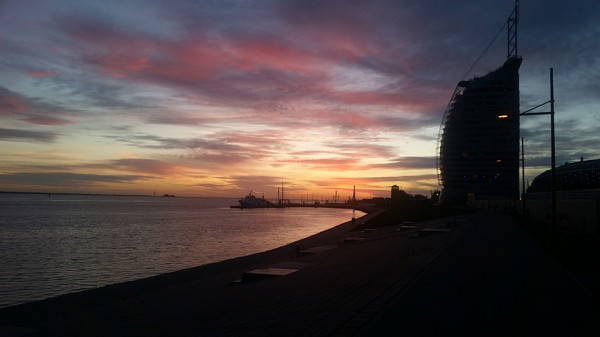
[552, 145]
[523, 174]
[553, 151]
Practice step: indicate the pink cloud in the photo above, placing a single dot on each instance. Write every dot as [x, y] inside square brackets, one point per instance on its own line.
[40, 73]
[363, 150]
[329, 164]
[245, 69]
[121, 65]
[269, 138]
[160, 62]
[45, 120]
[29, 110]
[267, 52]
[191, 60]
[148, 166]
[11, 103]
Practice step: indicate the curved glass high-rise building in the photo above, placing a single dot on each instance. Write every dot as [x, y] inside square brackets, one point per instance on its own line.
[479, 146]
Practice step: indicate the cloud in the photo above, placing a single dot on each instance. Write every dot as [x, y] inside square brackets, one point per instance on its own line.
[574, 139]
[146, 166]
[379, 179]
[191, 143]
[353, 151]
[224, 150]
[87, 174]
[202, 88]
[236, 67]
[372, 185]
[141, 165]
[27, 135]
[174, 118]
[65, 178]
[334, 164]
[259, 184]
[11, 103]
[30, 110]
[411, 163]
[40, 73]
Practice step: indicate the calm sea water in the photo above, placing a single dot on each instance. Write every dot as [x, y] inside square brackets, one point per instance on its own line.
[64, 243]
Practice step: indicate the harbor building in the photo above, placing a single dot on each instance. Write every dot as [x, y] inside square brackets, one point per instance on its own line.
[578, 196]
[397, 194]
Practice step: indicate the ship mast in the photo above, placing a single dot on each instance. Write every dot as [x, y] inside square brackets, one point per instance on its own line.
[512, 23]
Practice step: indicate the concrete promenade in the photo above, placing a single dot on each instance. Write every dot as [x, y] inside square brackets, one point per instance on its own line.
[475, 275]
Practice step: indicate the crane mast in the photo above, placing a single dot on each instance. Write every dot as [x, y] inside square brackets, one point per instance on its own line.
[512, 23]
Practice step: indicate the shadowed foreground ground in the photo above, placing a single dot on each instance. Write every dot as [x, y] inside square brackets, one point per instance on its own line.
[481, 275]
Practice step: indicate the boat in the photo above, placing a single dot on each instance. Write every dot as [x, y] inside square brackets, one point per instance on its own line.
[252, 201]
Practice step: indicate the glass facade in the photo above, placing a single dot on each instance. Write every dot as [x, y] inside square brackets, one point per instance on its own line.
[479, 146]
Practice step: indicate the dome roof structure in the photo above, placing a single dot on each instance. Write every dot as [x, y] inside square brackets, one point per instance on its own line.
[580, 175]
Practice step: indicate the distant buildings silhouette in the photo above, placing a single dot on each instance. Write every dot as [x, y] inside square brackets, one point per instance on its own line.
[397, 195]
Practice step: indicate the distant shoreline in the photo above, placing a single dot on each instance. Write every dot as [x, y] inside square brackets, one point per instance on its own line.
[361, 207]
[73, 193]
[111, 194]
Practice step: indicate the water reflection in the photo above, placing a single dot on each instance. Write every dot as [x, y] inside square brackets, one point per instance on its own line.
[55, 245]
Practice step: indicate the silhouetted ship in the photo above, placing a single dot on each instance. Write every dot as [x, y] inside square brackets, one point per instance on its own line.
[479, 144]
[251, 201]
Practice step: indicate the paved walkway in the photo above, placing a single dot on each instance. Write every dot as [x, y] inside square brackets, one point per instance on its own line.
[493, 282]
[484, 277]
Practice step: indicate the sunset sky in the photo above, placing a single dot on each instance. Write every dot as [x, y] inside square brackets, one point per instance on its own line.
[217, 98]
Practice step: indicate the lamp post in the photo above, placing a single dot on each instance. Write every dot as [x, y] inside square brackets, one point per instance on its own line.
[552, 144]
[523, 174]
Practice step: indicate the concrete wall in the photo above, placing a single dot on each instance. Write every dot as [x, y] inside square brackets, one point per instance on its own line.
[577, 211]
[581, 216]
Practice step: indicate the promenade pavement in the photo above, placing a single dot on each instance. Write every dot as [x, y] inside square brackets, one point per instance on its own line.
[477, 275]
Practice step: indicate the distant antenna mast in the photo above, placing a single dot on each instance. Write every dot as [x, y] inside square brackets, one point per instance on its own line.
[512, 23]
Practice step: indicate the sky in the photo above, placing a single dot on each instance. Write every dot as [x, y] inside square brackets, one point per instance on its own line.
[217, 98]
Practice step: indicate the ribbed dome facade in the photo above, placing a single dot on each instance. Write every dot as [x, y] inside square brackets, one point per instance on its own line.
[583, 175]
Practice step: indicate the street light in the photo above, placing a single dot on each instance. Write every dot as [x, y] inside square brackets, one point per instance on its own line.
[552, 146]
[523, 181]
[552, 141]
